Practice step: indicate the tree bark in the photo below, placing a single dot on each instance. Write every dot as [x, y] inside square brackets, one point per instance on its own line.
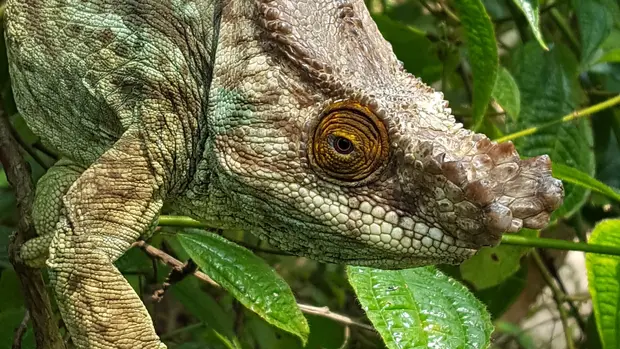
[36, 298]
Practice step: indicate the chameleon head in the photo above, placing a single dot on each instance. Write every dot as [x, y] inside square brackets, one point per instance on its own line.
[342, 156]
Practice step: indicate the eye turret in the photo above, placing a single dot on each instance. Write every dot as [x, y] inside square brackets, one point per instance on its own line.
[349, 144]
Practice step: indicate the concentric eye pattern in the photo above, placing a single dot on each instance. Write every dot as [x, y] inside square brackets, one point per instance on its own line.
[350, 142]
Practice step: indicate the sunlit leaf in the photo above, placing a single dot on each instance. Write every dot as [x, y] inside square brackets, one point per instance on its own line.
[574, 176]
[530, 9]
[421, 308]
[604, 283]
[611, 56]
[248, 278]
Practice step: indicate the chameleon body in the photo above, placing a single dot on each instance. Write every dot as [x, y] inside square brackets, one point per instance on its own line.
[290, 119]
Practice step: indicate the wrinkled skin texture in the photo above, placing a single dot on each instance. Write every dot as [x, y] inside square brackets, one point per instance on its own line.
[290, 119]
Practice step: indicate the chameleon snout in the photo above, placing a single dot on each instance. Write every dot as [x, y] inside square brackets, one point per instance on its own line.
[490, 191]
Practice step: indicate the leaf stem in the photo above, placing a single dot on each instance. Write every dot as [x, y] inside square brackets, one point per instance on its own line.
[180, 221]
[517, 240]
[566, 30]
[569, 117]
[558, 296]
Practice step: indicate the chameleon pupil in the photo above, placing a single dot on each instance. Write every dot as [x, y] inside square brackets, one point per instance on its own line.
[343, 145]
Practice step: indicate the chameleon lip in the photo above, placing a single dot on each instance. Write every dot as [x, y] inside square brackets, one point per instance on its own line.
[408, 261]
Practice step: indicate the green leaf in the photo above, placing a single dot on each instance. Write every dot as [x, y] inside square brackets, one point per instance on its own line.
[134, 261]
[604, 283]
[595, 19]
[524, 340]
[550, 89]
[611, 56]
[493, 265]
[482, 52]
[261, 335]
[421, 308]
[500, 297]
[4, 182]
[325, 334]
[407, 43]
[574, 176]
[506, 93]
[203, 307]
[10, 291]
[530, 9]
[593, 339]
[248, 278]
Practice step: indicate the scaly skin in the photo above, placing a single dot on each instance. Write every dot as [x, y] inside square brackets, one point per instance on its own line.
[290, 119]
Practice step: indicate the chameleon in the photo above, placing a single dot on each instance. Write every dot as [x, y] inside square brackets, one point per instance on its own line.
[290, 119]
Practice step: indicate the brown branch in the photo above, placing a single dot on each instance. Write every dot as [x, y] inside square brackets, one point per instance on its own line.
[308, 309]
[325, 312]
[20, 331]
[171, 261]
[175, 276]
[31, 280]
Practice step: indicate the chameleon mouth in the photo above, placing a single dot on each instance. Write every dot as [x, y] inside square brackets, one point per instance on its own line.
[490, 191]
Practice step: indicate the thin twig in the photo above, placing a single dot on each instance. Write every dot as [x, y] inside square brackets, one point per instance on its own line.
[20, 331]
[580, 297]
[569, 117]
[347, 338]
[558, 296]
[308, 309]
[573, 309]
[466, 83]
[566, 30]
[449, 12]
[325, 312]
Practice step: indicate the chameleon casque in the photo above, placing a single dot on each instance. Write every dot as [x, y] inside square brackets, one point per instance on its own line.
[290, 119]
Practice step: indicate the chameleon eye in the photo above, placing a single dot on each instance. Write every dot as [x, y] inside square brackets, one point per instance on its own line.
[349, 143]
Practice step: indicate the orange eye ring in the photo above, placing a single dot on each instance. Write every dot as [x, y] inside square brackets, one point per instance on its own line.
[349, 143]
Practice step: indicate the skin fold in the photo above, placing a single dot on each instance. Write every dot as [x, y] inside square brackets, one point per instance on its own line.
[290, 119]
